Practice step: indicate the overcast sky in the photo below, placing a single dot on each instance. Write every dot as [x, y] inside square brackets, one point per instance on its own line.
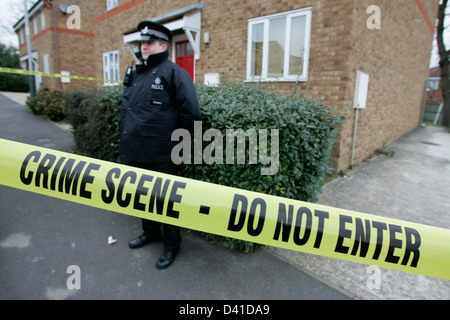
[12, 10]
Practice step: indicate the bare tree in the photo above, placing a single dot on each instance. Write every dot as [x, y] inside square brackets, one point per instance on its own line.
[444, 63]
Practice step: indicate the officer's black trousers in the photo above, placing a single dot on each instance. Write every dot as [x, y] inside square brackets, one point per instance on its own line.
[170, 234]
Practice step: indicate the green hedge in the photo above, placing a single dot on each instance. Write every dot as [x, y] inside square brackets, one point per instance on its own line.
[306, 136]
[9, 58]
[94, 116]
[14, 82]
[48, 103]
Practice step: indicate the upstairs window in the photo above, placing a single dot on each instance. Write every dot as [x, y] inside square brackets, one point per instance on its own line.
[42, 20]
[278, 46]
[35, 25]
[21, 36]
[433, 84]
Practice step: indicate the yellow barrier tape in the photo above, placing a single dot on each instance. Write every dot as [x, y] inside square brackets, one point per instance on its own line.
[226, 211]
[52, 75]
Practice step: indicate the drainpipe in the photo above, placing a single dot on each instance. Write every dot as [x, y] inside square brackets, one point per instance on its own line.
[28, 39]
[55, 35]
[355, 128]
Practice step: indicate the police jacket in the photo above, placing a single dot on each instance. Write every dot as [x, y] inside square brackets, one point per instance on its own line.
[160, 99]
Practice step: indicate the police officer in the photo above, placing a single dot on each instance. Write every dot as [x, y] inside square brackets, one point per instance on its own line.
[159, 97]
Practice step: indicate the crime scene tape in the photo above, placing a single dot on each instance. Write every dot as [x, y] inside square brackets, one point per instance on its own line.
[52, 75]
[230, 212]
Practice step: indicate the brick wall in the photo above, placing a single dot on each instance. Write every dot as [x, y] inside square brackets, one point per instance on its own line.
[396, 57]
[111, 27]
[75, 46]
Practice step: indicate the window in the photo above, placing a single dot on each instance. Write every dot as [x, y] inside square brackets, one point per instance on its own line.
[21, 36]
[46, 62]
[35, 25]
[42, 20]
[111, 67]
[433, 84]
[278, 46]
[111, 4]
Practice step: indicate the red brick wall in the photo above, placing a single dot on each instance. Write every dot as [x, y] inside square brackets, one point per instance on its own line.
[396, 57]
[75, 47]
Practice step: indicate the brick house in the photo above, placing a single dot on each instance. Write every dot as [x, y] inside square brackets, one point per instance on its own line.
[57, 48]
[434, 91]
[316, 47]
[434, 99]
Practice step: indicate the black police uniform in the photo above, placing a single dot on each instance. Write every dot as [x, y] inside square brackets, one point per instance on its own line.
[160, 99]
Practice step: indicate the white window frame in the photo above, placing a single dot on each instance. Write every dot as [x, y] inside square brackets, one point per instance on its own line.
[46, 62]
[42, 20]
[433, 83]
[111, 4]
[307, 12]
[21, 36]
[107, 68]
[35, 26]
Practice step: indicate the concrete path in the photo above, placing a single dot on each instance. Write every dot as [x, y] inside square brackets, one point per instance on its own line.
[411, 185]
[42, 238]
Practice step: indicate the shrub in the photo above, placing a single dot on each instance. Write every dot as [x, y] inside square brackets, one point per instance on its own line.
[76, 104]
[48, 103]
[94, 116]
[80, 106]
[306, 136]
[14, 82]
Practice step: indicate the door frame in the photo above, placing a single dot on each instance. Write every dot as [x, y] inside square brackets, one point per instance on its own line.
[176, 39]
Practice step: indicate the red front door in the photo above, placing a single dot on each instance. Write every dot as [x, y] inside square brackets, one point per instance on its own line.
[185, 57]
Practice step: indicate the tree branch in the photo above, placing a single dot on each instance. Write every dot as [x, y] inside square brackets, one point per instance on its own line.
[440, 30]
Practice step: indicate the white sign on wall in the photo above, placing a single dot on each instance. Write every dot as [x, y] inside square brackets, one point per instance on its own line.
[65, 79]
[361, 88]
